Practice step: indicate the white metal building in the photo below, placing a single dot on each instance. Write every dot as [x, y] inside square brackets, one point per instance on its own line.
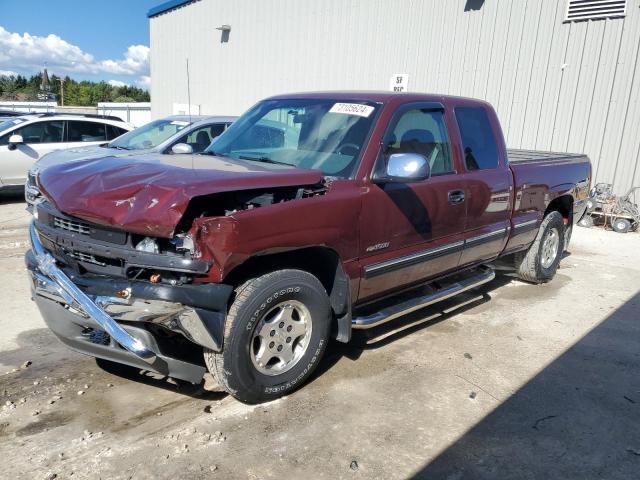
[562, 74]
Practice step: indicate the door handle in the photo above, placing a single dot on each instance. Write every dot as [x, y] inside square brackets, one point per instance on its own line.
[455, 196]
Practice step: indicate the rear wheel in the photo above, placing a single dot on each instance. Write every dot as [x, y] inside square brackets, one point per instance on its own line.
[621, 225]
[275, 334]
[540, 262]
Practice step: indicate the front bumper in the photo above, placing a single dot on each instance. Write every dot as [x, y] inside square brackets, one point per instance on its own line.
[89, 317]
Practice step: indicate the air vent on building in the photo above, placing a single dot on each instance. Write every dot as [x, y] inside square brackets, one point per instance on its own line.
[595, 9]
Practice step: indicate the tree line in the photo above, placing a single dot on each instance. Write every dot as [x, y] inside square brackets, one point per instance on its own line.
[81, 94]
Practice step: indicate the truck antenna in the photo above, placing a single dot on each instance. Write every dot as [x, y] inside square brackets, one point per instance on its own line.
[188, 92]
[189, 102]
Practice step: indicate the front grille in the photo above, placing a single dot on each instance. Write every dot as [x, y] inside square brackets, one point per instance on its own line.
[96, 336]
[85, 257]
[71, 226]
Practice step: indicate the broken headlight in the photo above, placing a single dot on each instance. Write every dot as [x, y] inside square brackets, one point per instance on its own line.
[147, 244]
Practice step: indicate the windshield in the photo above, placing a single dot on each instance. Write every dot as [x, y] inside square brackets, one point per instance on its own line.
[150, 135]
[11, 122]
[323, 135]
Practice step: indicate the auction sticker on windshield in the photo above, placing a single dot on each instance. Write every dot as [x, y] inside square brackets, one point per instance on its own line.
[352, 109]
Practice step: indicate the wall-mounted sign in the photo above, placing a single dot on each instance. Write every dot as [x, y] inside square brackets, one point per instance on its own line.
[399, 82]
[183, 109]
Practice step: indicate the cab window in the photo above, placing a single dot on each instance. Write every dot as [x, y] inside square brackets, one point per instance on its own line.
[478, 141]
[424, 132]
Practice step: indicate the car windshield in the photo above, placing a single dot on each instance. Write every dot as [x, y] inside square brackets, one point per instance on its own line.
[325, 135]
[11, 122]
[150, 135]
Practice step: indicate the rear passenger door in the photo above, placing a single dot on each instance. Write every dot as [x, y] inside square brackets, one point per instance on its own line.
[413, 231]
[487, 182]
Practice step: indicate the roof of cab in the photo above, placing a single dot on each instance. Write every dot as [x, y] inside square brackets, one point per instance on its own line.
[376, 96]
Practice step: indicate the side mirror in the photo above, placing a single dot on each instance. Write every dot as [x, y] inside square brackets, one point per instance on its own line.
[14, 141]
[181, 148]
[405, 168]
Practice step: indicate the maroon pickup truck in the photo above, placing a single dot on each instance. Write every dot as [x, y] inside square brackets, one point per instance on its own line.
[312, 215]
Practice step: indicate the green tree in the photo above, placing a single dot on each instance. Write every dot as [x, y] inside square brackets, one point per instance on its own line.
[83, 93]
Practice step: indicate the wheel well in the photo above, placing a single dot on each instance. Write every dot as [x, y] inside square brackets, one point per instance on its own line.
[322, 262]
[562, 204]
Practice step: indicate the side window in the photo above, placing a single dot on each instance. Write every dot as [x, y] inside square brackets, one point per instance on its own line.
[41, 132]
[480, 149]
[114, 132]
[85, 131]
[216, 129]
[199, 139]
[423, 132]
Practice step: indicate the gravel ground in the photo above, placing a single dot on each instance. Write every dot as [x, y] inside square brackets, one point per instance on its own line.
[522, 382]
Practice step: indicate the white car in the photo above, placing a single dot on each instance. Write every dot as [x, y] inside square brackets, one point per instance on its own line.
[177, 134]
[25, 139]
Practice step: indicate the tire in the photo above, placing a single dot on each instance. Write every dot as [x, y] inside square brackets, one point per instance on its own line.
[540, 262]
[621, 225]
[586, 221]
[246, 368]
[568, 231]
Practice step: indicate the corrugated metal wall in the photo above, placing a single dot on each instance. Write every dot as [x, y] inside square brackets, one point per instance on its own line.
[556, 86]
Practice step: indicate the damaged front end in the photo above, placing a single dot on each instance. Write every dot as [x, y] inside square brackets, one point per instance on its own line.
[127, 258]
[105, 297]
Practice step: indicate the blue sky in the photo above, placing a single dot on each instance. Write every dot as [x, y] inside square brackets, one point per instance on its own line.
[85, 39]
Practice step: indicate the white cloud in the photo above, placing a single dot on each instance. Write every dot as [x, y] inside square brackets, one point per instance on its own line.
[135, 62]
[28, 53]
[7, 73]
[117, 83]
[144, 82]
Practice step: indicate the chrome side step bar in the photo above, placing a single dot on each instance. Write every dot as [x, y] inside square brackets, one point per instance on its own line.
[484, 275]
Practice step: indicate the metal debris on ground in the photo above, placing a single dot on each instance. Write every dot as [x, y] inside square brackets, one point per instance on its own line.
[618, 212]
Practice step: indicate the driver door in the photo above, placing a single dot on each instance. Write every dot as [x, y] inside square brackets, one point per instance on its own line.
[411, 232]
[39, 138]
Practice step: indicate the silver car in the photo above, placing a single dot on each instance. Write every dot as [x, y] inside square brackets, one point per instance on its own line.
[177, 134]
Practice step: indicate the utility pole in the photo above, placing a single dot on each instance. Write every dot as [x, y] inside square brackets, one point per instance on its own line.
[61, 92]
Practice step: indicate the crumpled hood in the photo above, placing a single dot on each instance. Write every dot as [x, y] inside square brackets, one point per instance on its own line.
[149, 194]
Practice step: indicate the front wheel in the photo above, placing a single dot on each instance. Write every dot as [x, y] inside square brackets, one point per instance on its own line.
[540, 262]
[275, 334]
[586, 221]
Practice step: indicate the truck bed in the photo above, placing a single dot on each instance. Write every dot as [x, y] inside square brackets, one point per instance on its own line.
[536, 156]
